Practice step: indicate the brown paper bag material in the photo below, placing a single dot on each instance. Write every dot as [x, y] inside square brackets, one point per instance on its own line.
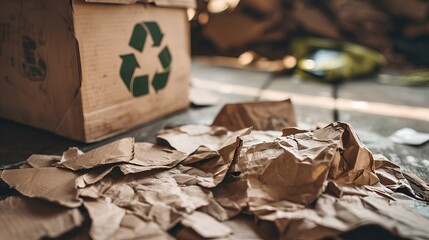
[38, 161]
[333, 215]
[217, 167]
[106, 218]
[269, 115]
[231, 194]
[118, 151]
[206, 226]
[353, 162]
[133, 227]
[390, 174]
[308, 183]
[71, 153]
[420, 187]
[153, 156]
[148, 156]
[189, 138]
[26, 218]
[51, 183]
[295, 167]
[200, 154]
[202, 142]
[95, 175]
[154, 196]
[281, 172]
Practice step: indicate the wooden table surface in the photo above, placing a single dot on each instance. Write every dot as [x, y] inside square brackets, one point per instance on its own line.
[374, 110]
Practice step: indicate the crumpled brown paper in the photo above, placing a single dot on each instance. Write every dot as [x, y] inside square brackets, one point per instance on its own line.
[390, 174]
[206, 226]
[332, 216]
[154, 196]
[118, 151]
[146, 157]
[353, 162]
[298, 184]
[106, 218]
[274, 115]
[50, 183]
[295, 167]
[133, 227]
[38, 161]
[211, 150]
[25, 218]
[282, 177]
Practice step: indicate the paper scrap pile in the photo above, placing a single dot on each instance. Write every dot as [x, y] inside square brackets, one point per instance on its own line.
[211, 182]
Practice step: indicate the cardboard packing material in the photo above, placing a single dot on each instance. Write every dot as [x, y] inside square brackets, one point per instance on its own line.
[90, 70]
[297, 184]
[265, 115]
[35, 219]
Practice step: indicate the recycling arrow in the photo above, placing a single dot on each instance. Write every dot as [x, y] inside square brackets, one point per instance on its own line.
[139, 85]
[138, 38]
[160, 79]
[155, 32]
[128, 66]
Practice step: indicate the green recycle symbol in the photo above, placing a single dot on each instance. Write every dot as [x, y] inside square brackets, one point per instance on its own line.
[139, 85]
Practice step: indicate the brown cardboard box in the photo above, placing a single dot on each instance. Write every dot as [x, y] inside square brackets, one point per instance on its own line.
[90, 70]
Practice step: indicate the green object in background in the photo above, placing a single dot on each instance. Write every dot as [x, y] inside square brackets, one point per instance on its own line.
[415, 78]
[334, 61]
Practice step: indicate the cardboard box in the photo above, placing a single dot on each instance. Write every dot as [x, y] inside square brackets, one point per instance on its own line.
[90, 70]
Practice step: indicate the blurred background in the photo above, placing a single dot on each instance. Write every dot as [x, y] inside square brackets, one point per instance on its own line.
[329, 40]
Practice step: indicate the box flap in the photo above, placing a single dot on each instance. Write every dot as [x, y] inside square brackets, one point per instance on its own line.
[159, 3]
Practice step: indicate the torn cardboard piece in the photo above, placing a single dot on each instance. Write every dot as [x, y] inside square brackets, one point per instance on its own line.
[71, 153]
[38, 161]
[146, 157]
[49, 183]
[153, 156]
[270, 115]
[189, 138]
[26, 218]
[118, 151]
[94, 176]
